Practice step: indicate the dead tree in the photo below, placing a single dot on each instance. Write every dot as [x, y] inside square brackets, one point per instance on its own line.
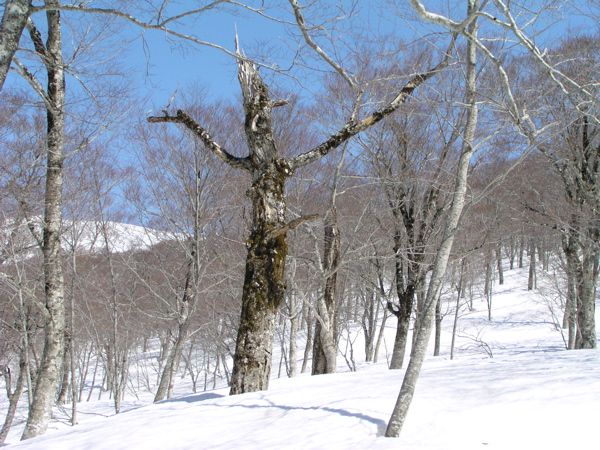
[264, 282]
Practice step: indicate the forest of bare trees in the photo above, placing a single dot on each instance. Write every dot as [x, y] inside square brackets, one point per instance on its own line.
[371, 184]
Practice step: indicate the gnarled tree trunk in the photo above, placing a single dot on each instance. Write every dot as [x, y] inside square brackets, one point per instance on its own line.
[264, 283]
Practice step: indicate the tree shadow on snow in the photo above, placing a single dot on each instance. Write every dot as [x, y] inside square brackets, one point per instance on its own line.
[194, 398]
[380, 423]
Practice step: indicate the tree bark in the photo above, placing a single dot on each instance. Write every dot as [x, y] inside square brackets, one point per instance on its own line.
[51, 361]
[438, 327]
[406, 295]
[499, 264]
[183, 324]
[14, 19]
[324, 348]
[531, 281]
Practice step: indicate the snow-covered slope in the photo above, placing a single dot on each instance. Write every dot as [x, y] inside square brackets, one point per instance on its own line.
[531, 395]
[83, 237]
[88, 236]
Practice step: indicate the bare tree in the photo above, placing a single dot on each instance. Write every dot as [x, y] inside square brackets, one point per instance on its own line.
[264, 285]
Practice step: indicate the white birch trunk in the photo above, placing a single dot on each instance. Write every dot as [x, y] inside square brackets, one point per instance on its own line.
[441, 260]
[51, 361]
[14, 19]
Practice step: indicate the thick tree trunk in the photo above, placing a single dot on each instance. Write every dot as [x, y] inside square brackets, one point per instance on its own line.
[406, 295]
[51, 362]
[264, 282]
[586, 301]
[14, 19]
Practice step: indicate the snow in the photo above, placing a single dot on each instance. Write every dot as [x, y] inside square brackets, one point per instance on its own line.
[532, 394]
[88, 236]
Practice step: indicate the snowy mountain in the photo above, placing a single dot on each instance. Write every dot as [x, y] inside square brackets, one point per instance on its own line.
[84, 236]
[88, 236]
[511, 386]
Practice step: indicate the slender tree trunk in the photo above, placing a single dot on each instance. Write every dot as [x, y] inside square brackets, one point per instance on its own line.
[380, 336]
[521, 251]
[309, 340]
[488, 289]
[183, 324]
[294, 324]
[438, 327]
[407, 390]
[14, 396]
[531, 281]
[513, 252]
[325, 349]
[499, 264]
[459, 295]
[51, 362]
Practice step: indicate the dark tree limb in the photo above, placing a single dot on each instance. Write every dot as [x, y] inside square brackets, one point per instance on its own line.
[187, 121]
[352, 127]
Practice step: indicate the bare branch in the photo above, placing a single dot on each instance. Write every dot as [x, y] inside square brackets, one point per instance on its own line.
[161, 26]
[312, 44]
[352, 127]
[187, 121]
[33, 82]
[456, 27]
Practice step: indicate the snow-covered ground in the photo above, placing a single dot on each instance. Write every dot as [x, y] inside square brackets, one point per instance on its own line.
[532, 394]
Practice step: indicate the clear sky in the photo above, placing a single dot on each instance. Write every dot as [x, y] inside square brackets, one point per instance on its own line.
[157, 65]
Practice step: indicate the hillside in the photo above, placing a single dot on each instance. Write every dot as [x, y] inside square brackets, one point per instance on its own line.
[532, 394]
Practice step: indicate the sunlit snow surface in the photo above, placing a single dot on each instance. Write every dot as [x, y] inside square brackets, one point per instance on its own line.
[531, 395]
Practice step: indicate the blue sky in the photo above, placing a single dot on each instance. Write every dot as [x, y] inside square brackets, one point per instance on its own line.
[157, 65]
